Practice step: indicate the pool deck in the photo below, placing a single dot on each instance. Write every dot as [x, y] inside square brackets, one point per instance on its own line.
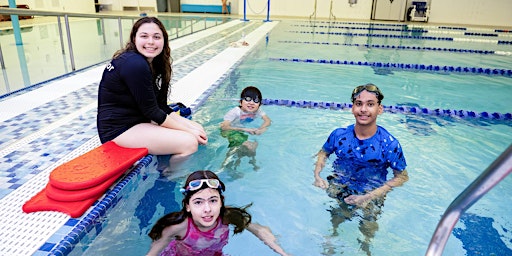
[46, 126]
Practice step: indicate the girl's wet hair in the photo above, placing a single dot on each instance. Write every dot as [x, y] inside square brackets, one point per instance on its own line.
[239, 217]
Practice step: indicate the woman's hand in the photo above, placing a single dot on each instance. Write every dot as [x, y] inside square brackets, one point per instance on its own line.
[195, 124]
[200, 134]
[192, 127]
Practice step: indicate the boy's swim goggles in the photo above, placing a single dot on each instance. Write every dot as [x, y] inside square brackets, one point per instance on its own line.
[249, 99]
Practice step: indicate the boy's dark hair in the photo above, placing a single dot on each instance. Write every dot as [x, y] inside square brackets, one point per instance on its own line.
[367, 87]
[251, 91]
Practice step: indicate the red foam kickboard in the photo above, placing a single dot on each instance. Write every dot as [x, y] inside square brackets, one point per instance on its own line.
[95, 166]
[74, 186]
[41, 202]
[58, 194]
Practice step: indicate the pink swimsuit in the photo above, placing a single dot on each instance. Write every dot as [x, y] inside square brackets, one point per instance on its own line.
[197, 242]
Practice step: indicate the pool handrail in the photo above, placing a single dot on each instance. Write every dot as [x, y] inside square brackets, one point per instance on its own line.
[33, 12]
[497, 171]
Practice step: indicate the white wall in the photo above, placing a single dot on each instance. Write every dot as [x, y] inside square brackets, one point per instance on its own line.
[304, 8]
[82, 6]
[205, 2]
[473, 12]
[119, 5]
[477, 12]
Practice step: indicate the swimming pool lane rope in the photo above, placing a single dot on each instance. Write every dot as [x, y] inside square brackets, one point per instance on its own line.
[403, 47]
[405, 66]
[393, 109]
[404, 37]
[406, 29]
[505, 31]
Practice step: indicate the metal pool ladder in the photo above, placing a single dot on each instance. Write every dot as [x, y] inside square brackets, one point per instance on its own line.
[496, 172]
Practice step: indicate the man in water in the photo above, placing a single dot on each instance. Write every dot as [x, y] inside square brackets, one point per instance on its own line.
[364, 153]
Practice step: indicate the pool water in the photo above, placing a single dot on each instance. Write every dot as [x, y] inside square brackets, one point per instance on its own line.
[444, 154]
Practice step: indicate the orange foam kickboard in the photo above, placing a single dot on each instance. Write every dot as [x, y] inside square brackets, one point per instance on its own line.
[95, 166]
[41, 202]
[58, 194]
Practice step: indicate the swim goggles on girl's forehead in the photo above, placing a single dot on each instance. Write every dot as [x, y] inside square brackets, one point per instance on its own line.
[197, 184]
[249, 98]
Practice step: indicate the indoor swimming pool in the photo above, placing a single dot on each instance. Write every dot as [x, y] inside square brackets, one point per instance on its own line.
[444, 153]
[456, 79]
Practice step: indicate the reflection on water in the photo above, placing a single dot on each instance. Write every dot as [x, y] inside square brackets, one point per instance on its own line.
[479, 236]
[146, 209]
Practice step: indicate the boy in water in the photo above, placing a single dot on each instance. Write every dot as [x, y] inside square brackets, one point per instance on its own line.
[239, 123]
[364, 153]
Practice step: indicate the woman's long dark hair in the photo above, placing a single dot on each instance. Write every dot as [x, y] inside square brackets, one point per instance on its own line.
[239, 217]
[161, 64]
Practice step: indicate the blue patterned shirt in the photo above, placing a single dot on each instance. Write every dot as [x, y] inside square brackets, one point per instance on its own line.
[363, 165]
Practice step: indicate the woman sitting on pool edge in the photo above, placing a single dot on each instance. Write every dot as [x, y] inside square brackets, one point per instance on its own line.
[202, 225]
[133, 95]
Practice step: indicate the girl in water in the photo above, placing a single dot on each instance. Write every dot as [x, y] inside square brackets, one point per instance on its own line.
[202, 225]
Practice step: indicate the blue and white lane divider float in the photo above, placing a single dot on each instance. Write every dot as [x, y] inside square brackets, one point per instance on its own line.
[392, 109]
[373, 24]
[406, 66]
[404, 37]
[403, 47]
[409, 29]
[413, 30]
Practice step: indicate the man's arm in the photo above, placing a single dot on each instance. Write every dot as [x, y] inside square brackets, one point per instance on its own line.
[320, 164]
[400, 177]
